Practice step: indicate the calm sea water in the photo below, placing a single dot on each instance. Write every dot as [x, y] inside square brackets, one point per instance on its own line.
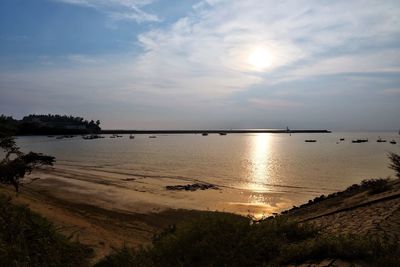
[259, 164]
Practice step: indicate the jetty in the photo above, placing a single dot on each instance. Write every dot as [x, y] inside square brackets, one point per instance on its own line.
[213, 131]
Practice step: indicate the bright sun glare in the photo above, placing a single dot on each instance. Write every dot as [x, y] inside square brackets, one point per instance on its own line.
[260, 59]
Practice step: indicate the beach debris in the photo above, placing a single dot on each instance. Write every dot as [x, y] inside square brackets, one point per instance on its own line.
[191, 187]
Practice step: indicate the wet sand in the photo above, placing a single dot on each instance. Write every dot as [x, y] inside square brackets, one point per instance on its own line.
[141, 193]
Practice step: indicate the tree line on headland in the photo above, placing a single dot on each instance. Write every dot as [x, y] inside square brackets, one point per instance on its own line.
[48, 124]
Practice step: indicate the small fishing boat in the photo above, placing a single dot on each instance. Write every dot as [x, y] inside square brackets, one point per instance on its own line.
[152, 136]
[380, 140]
[131, 137]
[92, 136]
[204, 134]
[222, 133]
[393, 142]
[341, 139]
[310, 140]
[360, 141]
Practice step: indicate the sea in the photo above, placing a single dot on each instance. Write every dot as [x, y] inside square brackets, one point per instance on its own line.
[256, 174]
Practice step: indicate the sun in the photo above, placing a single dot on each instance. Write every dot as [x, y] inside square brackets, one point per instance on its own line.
[259, 59]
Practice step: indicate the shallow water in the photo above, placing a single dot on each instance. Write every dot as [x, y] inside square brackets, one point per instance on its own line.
[252, 170]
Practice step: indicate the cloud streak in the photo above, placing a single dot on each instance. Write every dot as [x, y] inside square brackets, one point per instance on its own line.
[131, 10]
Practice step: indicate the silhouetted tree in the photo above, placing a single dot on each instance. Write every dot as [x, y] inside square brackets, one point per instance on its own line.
[16, 164]
[395, 163]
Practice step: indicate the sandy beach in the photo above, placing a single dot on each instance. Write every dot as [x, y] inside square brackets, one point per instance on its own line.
[106, 228]
[138, 193]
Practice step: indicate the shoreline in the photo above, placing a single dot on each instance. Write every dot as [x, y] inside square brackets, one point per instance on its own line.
[143, 193]
[105, 230]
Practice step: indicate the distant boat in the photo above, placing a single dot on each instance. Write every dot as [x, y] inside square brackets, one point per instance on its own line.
[310, 140]
[380, 140]
[60, 137]
[393, 142]
[131, 137]
[360, 141]
[222, 133]
[204, 134]
[341, 139]
[152, 136]
[92, 136]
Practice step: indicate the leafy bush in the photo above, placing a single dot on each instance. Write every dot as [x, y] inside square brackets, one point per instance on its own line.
[16, 164]
[219, 239]
[395, 163]
[27, 239]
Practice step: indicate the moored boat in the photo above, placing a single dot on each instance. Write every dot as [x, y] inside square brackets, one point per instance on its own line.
[380, 140]
[360, 140]
[92, 136]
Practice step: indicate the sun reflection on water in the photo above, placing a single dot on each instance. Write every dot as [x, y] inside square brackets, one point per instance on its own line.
[260, 152]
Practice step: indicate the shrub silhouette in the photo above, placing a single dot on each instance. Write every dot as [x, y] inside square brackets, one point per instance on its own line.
[16, 164]
[395, 163]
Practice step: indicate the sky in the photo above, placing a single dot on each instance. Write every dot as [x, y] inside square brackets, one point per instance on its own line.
[195, 64]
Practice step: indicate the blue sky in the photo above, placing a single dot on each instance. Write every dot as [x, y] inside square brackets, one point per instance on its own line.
[150, 64]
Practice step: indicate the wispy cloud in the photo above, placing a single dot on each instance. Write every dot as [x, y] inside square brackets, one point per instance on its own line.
[392, 92]
[304, 38]
[119, 9]
[273, 104]
[84, 59]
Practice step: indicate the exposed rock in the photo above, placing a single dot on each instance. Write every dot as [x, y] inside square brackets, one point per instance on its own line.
[191, 187]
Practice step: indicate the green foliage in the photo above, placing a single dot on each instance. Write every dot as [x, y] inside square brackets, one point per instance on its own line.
[27, 239]
[395, 163]
[7, 126]
[47, 124]
[219, 239]
[58, 121]
[16, 164]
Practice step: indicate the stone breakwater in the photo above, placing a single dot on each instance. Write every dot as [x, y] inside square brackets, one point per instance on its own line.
[376, 216]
